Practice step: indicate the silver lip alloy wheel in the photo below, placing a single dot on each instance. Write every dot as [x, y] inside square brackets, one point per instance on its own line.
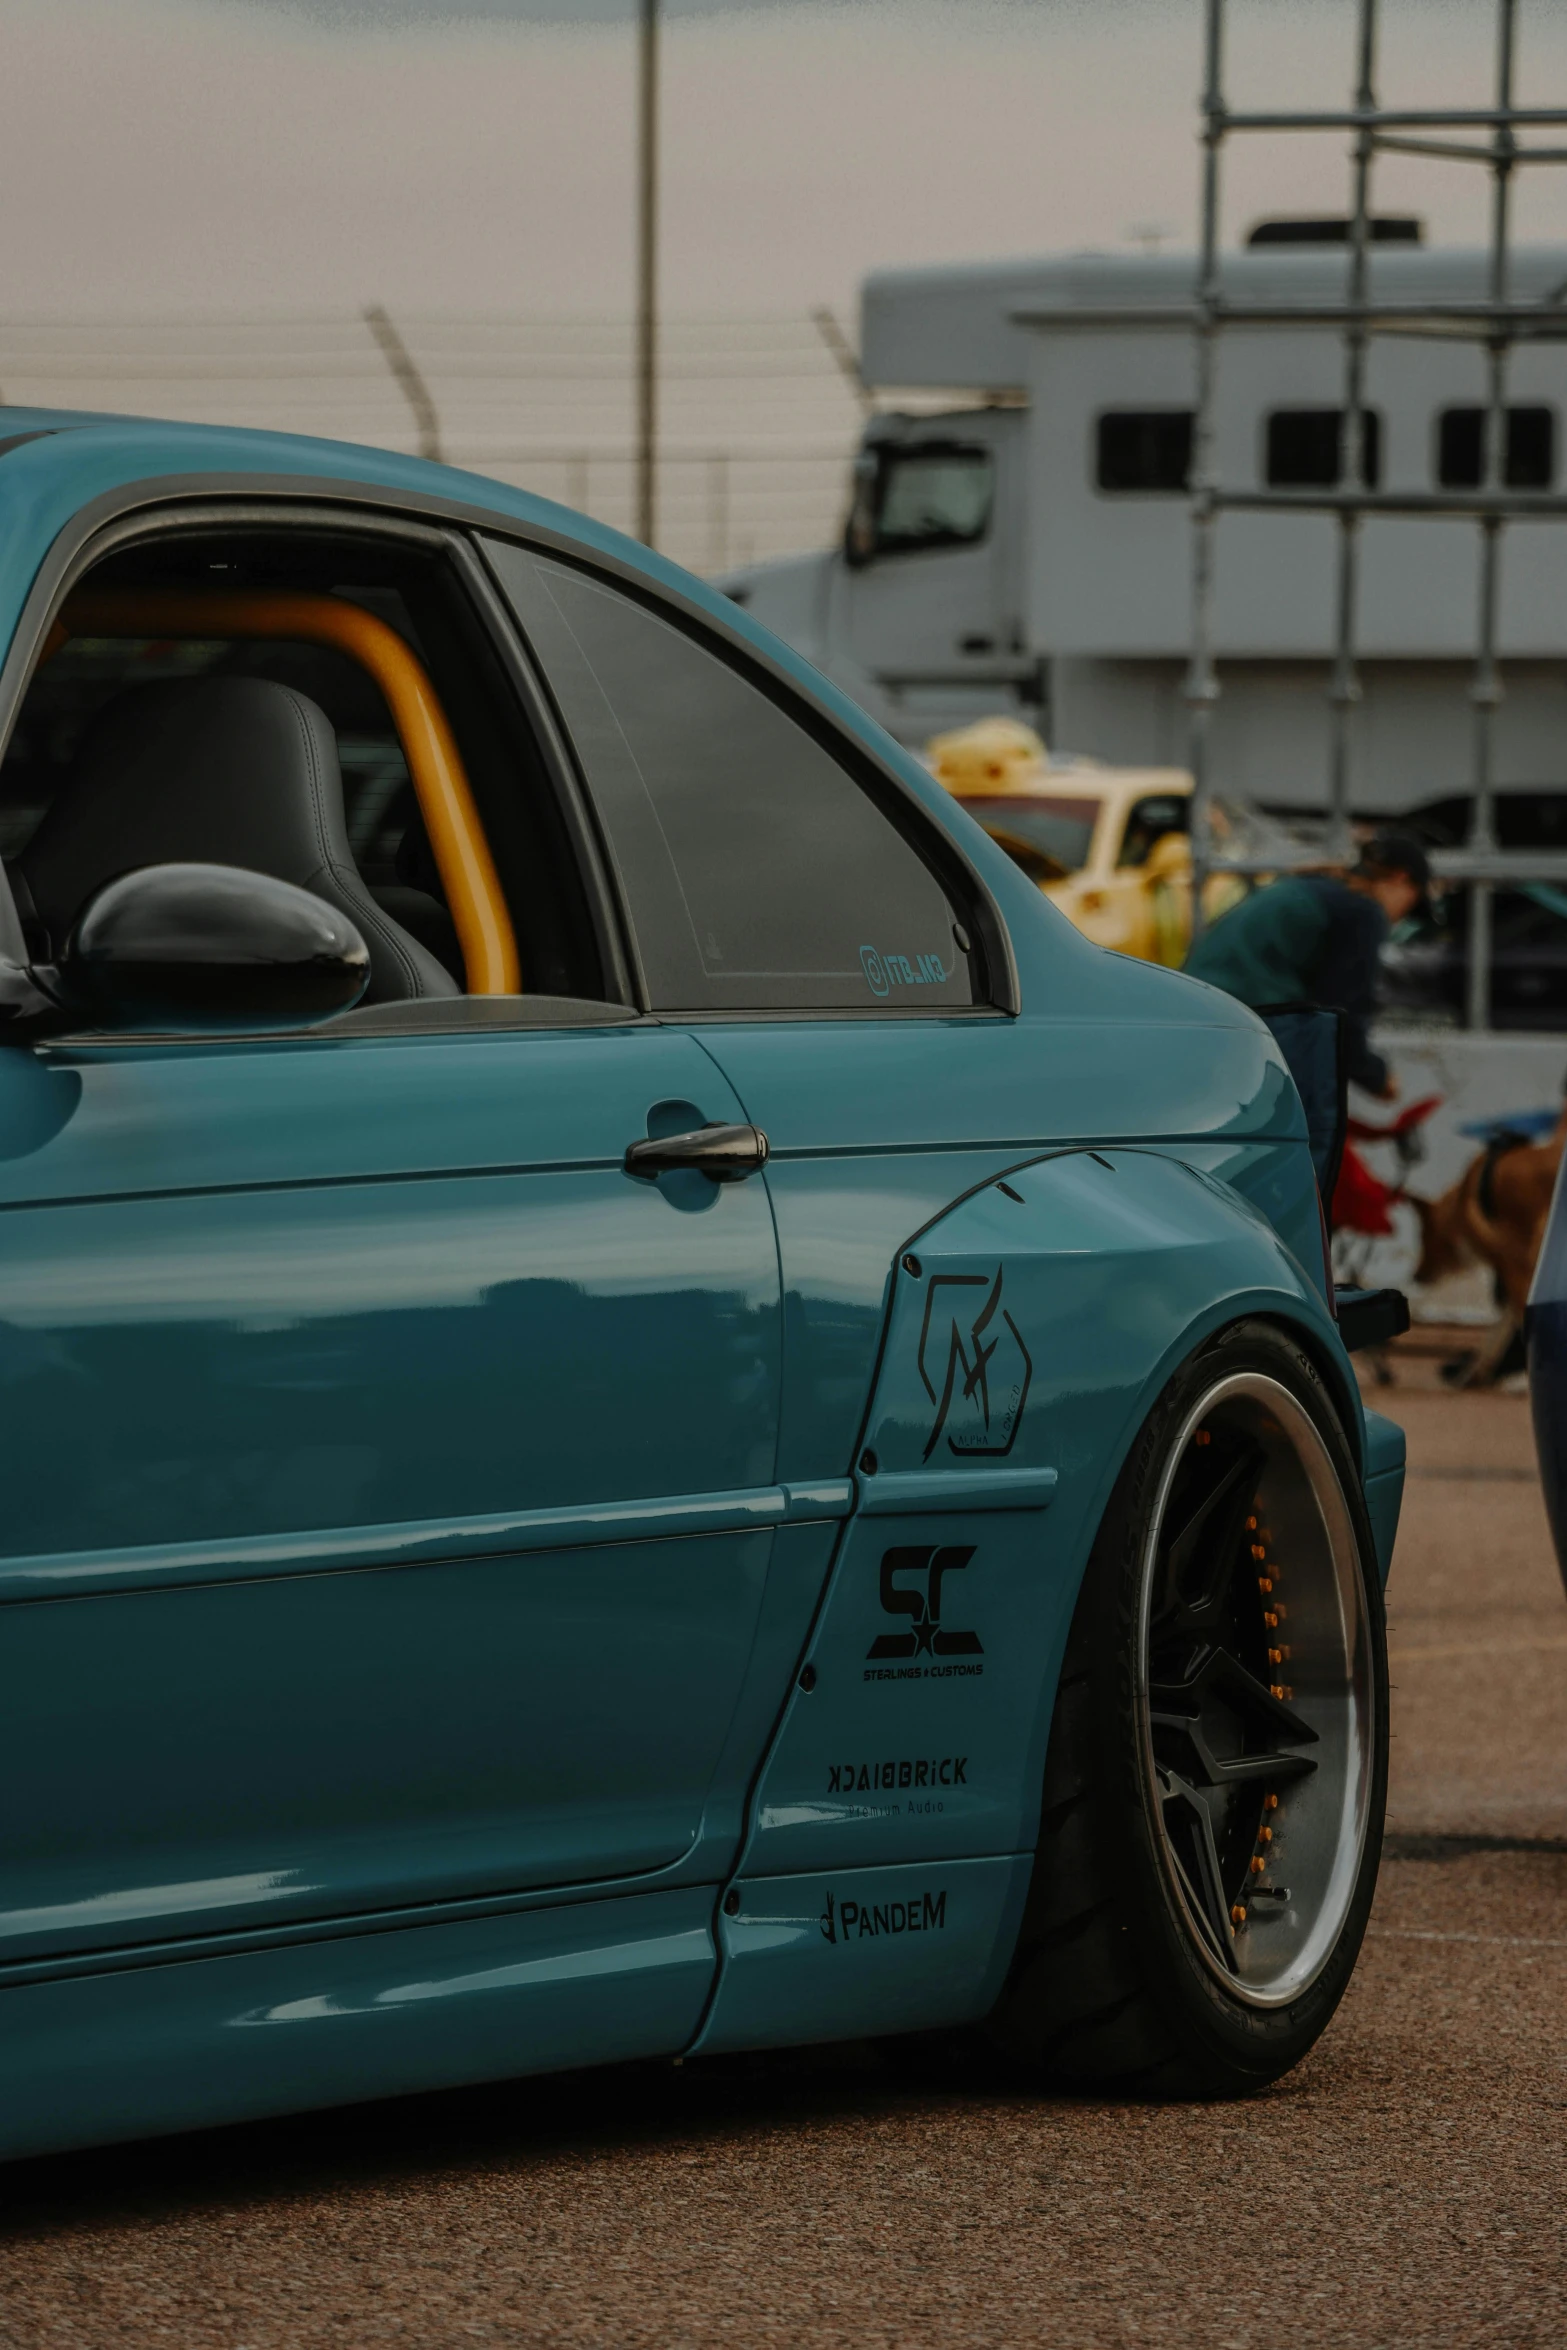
[1255, 1689]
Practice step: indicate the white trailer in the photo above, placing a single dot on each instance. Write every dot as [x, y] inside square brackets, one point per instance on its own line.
[1020, 539]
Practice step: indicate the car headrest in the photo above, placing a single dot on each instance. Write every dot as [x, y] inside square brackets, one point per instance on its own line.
[221, 771]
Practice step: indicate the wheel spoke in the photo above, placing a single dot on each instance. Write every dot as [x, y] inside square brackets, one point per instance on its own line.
[1220, 1673]
[1275, 1764]
[1210, 1901]
[1210, 1530]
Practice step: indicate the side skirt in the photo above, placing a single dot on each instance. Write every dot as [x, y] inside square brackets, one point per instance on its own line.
[847, 1953]
[201, 2041]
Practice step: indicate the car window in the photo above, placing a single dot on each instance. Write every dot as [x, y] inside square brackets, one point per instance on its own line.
[936, 493]
[756, 870]
[934, 496]
[1048, 838]
[1148, 823]
[135, 682]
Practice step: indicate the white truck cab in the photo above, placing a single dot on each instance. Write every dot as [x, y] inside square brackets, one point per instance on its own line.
[918, 612]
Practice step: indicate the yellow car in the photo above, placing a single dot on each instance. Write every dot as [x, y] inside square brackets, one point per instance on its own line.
[1108, 845]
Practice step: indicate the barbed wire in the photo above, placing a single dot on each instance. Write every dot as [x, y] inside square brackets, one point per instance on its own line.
[758, 419]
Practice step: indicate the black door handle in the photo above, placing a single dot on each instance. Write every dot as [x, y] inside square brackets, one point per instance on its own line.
[726, 1154]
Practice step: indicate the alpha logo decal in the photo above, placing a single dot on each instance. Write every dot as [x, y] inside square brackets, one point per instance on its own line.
[853, 1921]
[912, 1580]
[973, 1364]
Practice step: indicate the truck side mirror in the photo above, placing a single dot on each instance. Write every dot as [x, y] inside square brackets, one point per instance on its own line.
[859, 532]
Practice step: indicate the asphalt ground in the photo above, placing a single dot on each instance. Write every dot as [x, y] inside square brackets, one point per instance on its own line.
[1406, 2185]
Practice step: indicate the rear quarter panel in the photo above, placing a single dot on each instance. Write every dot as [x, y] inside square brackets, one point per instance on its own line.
[1046, 1313]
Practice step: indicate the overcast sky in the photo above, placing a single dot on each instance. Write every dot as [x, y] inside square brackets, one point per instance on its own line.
[165, 156]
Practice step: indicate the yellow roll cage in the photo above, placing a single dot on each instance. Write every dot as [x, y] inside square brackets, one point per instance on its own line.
[451, 819]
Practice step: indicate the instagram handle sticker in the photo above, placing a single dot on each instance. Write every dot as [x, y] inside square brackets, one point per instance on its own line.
[875, 971]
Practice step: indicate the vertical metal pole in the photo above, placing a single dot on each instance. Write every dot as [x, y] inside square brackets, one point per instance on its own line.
[718, 511]
[1486, 691]
[1202, 688]
[1344, 690]
[647, 273]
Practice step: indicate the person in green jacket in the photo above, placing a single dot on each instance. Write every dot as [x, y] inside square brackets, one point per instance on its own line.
[1316, 938]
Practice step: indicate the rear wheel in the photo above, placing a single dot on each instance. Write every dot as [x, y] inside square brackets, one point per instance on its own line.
[1217, 1768]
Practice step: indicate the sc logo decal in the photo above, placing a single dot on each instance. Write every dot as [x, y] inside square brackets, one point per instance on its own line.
[911, 1581]
[875, 971]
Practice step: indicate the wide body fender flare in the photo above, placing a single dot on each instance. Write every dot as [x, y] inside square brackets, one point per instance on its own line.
[1030, 1328]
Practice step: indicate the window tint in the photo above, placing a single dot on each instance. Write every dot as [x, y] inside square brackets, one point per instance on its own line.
[757, 873]
[1303, 448]
[1144, 449]
[1529, 461]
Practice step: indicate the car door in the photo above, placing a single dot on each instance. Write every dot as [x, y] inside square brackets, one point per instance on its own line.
[837, 978]
[802, 927]
[390, 1477]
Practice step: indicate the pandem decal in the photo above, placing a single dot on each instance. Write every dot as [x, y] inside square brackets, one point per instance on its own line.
[859, 1921]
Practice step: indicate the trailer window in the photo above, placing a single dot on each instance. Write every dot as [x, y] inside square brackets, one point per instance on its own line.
[1303, 449]
[1529, 459]
[1147, 449]
[930, 494]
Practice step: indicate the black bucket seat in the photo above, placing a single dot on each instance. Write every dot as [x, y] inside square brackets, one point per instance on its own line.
[220, 771]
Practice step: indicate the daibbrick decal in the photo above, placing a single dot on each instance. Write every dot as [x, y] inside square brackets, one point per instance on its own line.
[878, 1778]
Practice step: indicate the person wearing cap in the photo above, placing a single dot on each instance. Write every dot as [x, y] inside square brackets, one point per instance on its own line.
[1316, 938]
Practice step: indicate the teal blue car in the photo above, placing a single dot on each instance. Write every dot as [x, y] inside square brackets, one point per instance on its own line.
[646, 1410]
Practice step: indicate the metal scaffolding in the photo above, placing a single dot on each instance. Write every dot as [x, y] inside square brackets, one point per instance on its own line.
[1496, 323]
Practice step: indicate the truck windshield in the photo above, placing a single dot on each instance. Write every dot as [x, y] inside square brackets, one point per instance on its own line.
[934, 494]
[1048, 838]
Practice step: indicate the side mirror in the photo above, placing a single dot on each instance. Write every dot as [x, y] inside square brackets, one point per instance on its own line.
[212, 949]
[859, 531]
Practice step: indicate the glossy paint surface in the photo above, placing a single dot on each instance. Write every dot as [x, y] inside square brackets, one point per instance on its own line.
[871, 1951]
[1029, 1333]
[438, 1567]
[1384, 1484]
[430, 1733]
[190, 1371]
[118, 2055]
[875, 1129]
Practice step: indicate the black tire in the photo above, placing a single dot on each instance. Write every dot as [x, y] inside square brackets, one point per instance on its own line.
[1121, 1978]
